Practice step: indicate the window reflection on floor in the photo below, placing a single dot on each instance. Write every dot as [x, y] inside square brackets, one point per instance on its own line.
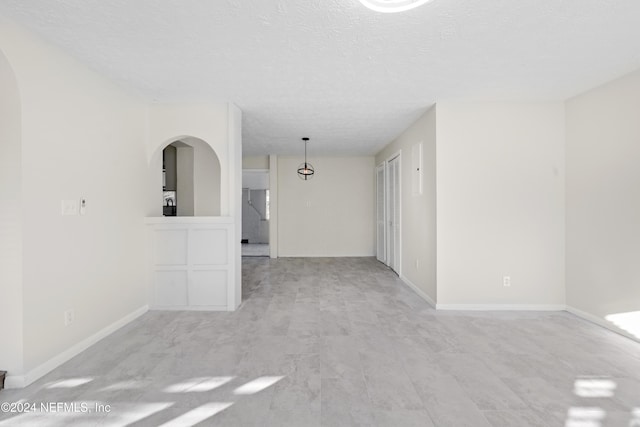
[629, 322]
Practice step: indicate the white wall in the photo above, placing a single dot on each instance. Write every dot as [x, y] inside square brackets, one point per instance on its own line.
[255, 162]
[500, 203]
[11, 310]
[329, 215]
[603, 199]
[206, 178]
[256, 179]
[185, 192]
[273, 199]
[82, 137]
[234, 164]
[418, 221]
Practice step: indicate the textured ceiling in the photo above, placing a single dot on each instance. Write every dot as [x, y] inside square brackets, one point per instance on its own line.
[349, 78]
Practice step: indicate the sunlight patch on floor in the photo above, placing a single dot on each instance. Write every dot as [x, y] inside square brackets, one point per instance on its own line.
[83, 411]
[70, 383]
[123, 385]
[257, 385]
[138, 412]
[585, 417]
[594, 388]
[629, 322]
[197, 415]
[198, 385]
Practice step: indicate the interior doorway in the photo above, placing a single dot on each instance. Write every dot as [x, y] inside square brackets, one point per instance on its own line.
[255, 213]
[388, 215]
[393, 213]
[381, 229]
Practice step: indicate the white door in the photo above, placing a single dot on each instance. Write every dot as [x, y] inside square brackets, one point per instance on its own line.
[393, 214]
[381, 245]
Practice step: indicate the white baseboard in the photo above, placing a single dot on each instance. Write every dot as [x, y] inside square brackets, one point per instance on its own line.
[332, 255]
[19, 381]
[418, 291]
[190, 308]
[501, 307]
[14, 381]
[600, 322]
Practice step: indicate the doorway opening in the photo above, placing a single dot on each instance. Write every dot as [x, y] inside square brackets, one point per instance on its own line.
[388, 231]
[255, 213]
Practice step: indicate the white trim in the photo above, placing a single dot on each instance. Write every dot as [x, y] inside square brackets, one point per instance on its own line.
[600, 322]
[234, 153]
[394, 155]
[397, 155]
[14, 381]
[273, 206]
[418, 291]
[501, 307]
[382, 167]
[180, 220]
[189, 308]
[369, 255]
[19, 381]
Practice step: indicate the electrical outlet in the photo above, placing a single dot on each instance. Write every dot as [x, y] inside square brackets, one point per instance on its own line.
[417, 264]
[69, 317]
[506, 281]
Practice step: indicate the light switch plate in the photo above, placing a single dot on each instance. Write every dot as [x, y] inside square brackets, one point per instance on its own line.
[69, 207]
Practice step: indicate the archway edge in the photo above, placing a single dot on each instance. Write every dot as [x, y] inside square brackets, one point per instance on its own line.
[208, 122]
[165, 143]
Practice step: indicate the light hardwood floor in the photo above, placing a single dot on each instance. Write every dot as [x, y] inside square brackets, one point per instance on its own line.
[342, 342]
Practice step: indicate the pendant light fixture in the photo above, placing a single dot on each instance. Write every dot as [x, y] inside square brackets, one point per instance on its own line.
[305, 170]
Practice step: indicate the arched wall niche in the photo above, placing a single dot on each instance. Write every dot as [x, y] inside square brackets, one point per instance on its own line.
[11, 293]
[207, 122]
[198, 175]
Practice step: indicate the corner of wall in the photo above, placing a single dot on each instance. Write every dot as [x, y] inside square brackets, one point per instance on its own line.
[234, 127]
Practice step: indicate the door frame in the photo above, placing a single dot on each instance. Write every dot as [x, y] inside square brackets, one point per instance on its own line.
[381, 168]
[396, 155]
[267, 173]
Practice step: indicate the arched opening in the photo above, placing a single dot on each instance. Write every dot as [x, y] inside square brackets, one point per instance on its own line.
[11, 304]
[190, 171]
